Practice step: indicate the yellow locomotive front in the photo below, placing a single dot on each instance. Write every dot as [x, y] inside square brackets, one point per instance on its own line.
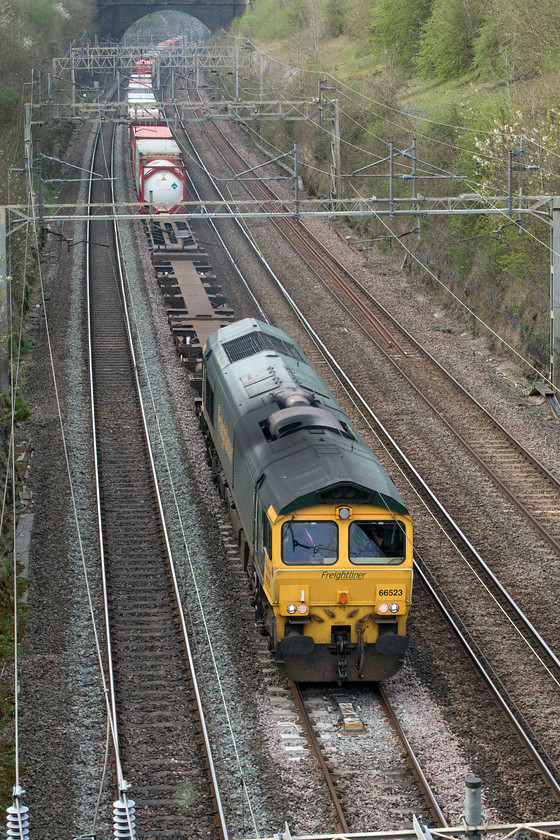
[325, 536]
[338, 582]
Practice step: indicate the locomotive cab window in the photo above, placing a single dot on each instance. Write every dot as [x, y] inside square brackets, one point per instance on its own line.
[266, 534]
[380, 542]
[309, 543]
[209, 401]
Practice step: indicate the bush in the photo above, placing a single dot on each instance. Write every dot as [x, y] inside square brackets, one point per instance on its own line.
[518, 40]
[397, 25]
[447, 40]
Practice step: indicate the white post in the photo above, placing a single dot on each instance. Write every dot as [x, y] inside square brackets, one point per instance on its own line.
[473, 806]
[336, 191]
[73, 75]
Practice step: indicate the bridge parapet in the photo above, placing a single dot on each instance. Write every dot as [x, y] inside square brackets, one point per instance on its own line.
[116, 16]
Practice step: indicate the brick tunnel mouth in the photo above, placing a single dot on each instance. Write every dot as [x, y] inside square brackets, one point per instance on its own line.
[121, 20]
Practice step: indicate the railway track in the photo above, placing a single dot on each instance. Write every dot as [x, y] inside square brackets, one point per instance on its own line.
[413, 768]
[496, 634]
[159, 734]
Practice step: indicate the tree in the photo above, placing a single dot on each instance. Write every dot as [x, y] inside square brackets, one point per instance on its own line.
[397, 25]
[447, 40]
[518, 40]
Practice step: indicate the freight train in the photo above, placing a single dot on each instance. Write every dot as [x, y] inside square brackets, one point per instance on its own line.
[324, 534]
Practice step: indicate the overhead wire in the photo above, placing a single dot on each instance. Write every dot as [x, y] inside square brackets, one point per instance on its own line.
[346, 90]
[457, 241]
[342, 88]
[501, 212]
[367, 98]
[280, 151]
[368, 415]
[465, 306]
[361, 149]
[479, 152]
[362, 407]
[367, 131]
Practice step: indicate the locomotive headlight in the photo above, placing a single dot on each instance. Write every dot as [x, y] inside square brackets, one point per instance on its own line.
[394, 608]
[291, 609]
[344, 513]
[302, 608]
[382, 608]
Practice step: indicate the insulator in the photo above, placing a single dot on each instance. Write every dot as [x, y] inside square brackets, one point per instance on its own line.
[124, 820]
[18, 826]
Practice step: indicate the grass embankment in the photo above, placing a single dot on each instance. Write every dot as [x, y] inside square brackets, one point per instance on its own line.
[464, 125]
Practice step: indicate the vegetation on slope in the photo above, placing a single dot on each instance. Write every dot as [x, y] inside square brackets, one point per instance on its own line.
[32, 32]
[468, 79]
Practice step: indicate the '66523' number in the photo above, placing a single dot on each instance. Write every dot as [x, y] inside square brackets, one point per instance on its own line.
[390, 593]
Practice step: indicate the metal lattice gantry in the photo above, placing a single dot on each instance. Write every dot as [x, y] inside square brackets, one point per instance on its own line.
[545, 208]
[266, 110]
[272, 208]
[123, 57]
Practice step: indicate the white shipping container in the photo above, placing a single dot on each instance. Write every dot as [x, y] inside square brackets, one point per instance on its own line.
[152, 149]
[141, 96]
[142, 82]
[143, 111]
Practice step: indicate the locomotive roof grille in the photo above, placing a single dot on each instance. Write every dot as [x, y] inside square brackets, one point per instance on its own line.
[256, 342]
[344, 493]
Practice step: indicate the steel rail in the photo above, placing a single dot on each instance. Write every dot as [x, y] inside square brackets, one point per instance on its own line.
[222, 824]
[343, 377]
[412, 760]
[309, 732]
[242, 230]
[555, 544]
[414, 764]
[111, 698]
[511, 603]
[525, 740]
[521, 734]
[287, 226]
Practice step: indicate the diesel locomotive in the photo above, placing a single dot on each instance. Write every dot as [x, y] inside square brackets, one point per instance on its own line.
[324, 535]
